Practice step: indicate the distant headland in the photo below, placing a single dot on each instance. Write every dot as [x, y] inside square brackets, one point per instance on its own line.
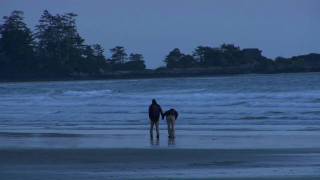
[56, 51]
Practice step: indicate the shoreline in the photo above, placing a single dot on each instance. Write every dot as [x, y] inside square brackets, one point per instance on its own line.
[144, 75]
[135, 139]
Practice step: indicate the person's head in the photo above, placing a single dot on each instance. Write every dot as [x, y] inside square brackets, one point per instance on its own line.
[154, 101]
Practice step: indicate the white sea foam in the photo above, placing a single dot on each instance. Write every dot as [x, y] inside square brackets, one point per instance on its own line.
[90, 93]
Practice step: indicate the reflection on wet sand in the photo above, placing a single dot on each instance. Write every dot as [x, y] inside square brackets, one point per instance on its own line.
[171, 141]
[154, 142]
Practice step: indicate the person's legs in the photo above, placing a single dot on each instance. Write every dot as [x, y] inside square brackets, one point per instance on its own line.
[170, 120]
[157, 129]
[151, 128]
[173, 122]
[169, 128]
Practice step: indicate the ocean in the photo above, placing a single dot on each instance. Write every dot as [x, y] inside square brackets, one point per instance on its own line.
[243, 111]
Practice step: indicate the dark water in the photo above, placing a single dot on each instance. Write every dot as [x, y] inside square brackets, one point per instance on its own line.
[248, 106]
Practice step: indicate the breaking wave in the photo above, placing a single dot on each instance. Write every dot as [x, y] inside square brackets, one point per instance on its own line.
[91, 93]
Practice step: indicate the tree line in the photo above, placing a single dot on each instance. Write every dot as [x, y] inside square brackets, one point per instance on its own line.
[249, 59]
[55, 49]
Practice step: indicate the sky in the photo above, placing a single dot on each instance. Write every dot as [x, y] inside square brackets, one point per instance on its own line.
[154, 27]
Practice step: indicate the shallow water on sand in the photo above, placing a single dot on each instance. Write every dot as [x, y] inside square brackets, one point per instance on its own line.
[246, 111]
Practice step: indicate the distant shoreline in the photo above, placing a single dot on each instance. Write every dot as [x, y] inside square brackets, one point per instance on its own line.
[151, 74]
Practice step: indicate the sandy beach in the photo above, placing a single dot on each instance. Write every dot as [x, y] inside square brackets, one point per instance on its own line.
[54, 164]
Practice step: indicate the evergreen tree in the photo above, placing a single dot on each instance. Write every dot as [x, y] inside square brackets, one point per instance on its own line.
[60, 46]
[201, 54]
[172, 59]
[136, 62]
[95, 61]
[16, 45]
[231, 55]
[187, 61]
[136, 57]
[119, 55]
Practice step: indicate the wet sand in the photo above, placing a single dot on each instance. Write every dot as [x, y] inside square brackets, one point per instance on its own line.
[159, 163]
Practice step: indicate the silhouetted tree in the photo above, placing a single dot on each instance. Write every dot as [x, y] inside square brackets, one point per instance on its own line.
[135, 63]
[208, 56]
[95, 59]
[119, 55]
[172, 59]
[231, 55]
[136, 57]
[187, 61]
[214, 57]
[16, 45]
[56, 49]
[60, 46]
[251, 56]
[308, 62]
[200, 54]
[98, 51]
[227, 55]
[229, 48]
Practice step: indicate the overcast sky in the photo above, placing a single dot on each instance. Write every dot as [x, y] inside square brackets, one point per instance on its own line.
[154, 27]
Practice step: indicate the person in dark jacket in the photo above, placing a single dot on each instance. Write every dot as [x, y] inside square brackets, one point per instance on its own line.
[154, 115]
[171, 117]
